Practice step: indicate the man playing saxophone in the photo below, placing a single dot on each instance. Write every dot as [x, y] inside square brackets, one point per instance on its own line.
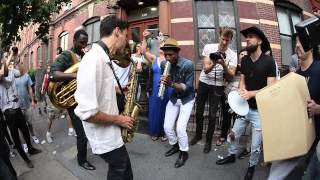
[63, 62]
[180, 105]
[96, 98]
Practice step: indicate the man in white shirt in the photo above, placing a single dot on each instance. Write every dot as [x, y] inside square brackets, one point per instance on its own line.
[211, 83]
[97, 104]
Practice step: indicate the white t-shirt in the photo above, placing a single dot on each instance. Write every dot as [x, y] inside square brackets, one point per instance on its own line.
[96, 92]
[122, 74]
[215, 76]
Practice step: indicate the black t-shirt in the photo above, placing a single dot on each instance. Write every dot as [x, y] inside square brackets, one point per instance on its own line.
[312, 75]
[256, 74]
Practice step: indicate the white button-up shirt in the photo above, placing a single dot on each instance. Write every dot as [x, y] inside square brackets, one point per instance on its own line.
[96, 92]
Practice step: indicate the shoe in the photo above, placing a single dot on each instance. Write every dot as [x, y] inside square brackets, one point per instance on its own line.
[45, 110]
[173, 150]
[164, 138]
[154, 138]
[207, 147]
[243, 154]
[86, 165]
[12, 154]
[29, 164]
[71, 132]
[183, 157]
[34, 151]
[250, 173]
[63, 116]
[35, 139]
[195, 140]
[227, 160]
[40, 111]
[220, 141]
[25, 148]
[49, 137]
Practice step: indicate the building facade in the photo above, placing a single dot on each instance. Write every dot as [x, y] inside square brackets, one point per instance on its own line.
[193, 23]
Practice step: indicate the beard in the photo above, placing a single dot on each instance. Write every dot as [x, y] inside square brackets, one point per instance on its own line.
[252, 48]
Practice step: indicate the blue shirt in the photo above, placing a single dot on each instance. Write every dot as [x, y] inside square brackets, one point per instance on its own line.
[22, 84]
[182, 73]
[312, 75]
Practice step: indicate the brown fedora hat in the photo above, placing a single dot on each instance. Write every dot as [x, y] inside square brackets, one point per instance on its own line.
[170, 43]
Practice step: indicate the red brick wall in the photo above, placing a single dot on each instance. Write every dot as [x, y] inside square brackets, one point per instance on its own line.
[183, 31]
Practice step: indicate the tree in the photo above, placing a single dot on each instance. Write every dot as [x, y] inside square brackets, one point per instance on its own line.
[16, 14]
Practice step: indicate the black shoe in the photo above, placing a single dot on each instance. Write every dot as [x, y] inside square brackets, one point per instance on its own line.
[86, 165]
[250, 173]
[207, 147]
[195, 140]
[29, 164]
[227, 160]
[183, 156]
[40, 111]
[243, 154]
[34, 151]
[173, 150]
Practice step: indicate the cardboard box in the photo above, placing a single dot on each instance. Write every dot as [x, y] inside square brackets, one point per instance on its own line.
[286, 129]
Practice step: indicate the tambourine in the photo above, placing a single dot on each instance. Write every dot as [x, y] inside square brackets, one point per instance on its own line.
[238, 104]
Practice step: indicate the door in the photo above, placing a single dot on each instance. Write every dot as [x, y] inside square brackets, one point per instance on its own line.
[136, 29]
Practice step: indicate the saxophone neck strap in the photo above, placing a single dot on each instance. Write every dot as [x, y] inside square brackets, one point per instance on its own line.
[106, 50]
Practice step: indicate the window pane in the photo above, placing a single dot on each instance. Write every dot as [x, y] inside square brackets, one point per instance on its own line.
[89, 31]
[206, 36]
[226, 13]
[286, 46]
[96, 31]
[205, 13]
[283, 20]
[295, 20]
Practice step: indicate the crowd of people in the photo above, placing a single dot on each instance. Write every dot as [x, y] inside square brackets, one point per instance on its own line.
[98, 116]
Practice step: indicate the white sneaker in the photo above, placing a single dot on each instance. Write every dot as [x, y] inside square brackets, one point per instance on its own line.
[71, 132]
[49, 137]
[35, 139]
[63, 116]
[25, 148]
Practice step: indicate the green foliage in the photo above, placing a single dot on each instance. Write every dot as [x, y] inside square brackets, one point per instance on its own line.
[16, 14]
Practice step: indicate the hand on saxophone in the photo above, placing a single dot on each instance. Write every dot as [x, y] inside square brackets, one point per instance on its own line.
[166, 80]
[125, 121]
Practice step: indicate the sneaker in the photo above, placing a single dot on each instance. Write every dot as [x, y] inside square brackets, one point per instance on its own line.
[63, 116]
[71, 132]
[25, 148]
[35, 139]
[49, 137]
[13, 154]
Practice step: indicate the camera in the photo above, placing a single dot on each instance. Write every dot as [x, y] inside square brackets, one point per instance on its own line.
[217, 55]
[308, 32]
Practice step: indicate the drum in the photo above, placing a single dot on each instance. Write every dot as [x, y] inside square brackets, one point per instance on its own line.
[238, 104]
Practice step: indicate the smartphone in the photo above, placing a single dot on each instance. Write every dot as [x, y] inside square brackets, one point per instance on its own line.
[153, 33]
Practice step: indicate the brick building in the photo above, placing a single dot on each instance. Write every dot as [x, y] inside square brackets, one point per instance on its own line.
[193, 23]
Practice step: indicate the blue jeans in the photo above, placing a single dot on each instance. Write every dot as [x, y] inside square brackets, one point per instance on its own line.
[313, 170]
[239, 128]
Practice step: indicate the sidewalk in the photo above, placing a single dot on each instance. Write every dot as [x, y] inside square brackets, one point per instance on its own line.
[58, 160]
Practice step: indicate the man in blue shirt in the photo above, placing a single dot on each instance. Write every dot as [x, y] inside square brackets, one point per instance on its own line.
[179, 107]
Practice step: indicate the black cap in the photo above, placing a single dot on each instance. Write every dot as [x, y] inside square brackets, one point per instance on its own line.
[265, 45]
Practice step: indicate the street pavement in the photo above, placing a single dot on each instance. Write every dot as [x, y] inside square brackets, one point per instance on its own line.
[58, 159]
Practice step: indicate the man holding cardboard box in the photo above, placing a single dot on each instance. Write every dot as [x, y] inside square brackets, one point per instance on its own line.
[310, 69]
[257, 71]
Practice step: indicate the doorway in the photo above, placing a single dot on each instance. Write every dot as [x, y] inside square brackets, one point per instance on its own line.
[136, 29]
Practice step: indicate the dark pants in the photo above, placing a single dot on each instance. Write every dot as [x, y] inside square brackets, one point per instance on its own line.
[119, 164]
[5, 129]
[16, 122]
[227, 117]
[213, 94]
[82, 140]
[7, 171]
